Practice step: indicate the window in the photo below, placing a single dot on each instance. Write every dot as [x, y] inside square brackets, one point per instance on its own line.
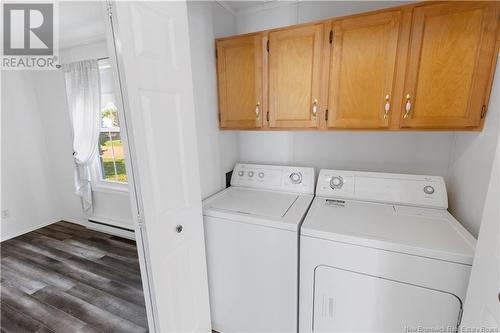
[111, 156]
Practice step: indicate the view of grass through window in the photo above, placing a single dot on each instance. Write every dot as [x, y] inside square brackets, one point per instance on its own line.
[112, 158]
[111, 155]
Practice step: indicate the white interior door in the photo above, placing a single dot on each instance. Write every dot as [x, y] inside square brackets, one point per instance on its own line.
[152, 44]
[482, 305]
[130, 167]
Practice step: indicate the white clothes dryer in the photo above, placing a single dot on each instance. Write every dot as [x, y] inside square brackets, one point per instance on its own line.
[381, 253]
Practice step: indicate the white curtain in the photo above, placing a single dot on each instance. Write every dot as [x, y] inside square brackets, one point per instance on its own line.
[84, 97]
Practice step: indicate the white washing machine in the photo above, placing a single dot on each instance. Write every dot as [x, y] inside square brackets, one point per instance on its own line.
[252, 235]
[381, 253]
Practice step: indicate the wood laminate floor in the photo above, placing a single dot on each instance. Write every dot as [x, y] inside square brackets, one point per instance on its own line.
[66, 278]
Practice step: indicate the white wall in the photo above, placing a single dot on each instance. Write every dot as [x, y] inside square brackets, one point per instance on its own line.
[55, 123]
[481, 308]
[93, 50]
[28, 190]
[471, 164]
[282, 13]
[217, 150]
[418, 153]
[223, 21]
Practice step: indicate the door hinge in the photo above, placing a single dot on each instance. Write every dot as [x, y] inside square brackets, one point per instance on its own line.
[326, 115]
[460, 317]
[140, 220]
[216, 54]
[331, 36]
[267, 45]
[267, 116]
[483, 111]
[218, 117]
[110, 9]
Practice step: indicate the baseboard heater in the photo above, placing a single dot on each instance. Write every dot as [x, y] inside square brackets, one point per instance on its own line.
[110, 225]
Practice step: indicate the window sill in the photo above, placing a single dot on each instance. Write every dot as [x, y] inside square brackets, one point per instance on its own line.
[109, 187]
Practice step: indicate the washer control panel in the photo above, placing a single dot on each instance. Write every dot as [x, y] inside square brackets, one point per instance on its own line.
[412, 190]
[273, 177]
[296, 177]
[336, 182]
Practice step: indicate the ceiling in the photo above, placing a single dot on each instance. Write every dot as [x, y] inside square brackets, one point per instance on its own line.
[80, 22]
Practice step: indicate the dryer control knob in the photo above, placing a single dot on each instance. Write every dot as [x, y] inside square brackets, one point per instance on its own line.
[296, 177]
[429, 189]
[250, 173]
[241, 173]
[336, 182]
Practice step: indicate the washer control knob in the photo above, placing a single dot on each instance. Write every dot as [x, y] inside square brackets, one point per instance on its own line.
[250, 173]
[429, 189]
[296, 177]
[336, 182]
[241, 173]
[261, 175]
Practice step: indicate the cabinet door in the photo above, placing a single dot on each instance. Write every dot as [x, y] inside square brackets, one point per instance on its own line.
[362, 71]
[450, 58]
[239, 69]
[294, 76]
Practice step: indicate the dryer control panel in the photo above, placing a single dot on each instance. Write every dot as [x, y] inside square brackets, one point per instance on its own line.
[273, 177]
[411, 190]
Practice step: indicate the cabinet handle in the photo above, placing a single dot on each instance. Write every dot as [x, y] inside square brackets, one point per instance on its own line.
[315, 108]
[387, 106]
[407, 106]
[257, 110]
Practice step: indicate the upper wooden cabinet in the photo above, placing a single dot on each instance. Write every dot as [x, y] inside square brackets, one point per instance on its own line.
[362, 71]
[450, 59]
[239, 70]
[420, 66]
[294, 76]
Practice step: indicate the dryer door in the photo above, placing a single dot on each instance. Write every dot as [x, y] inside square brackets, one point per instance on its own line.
[349, 301]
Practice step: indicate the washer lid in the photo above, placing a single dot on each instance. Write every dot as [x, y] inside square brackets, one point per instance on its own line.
[254, 202]
[432, 233]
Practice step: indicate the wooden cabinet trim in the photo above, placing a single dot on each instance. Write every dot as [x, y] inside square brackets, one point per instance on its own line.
[329, 32]
[265, 81]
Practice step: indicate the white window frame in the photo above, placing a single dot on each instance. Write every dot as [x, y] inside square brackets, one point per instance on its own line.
[97, 182]
[101, 185]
